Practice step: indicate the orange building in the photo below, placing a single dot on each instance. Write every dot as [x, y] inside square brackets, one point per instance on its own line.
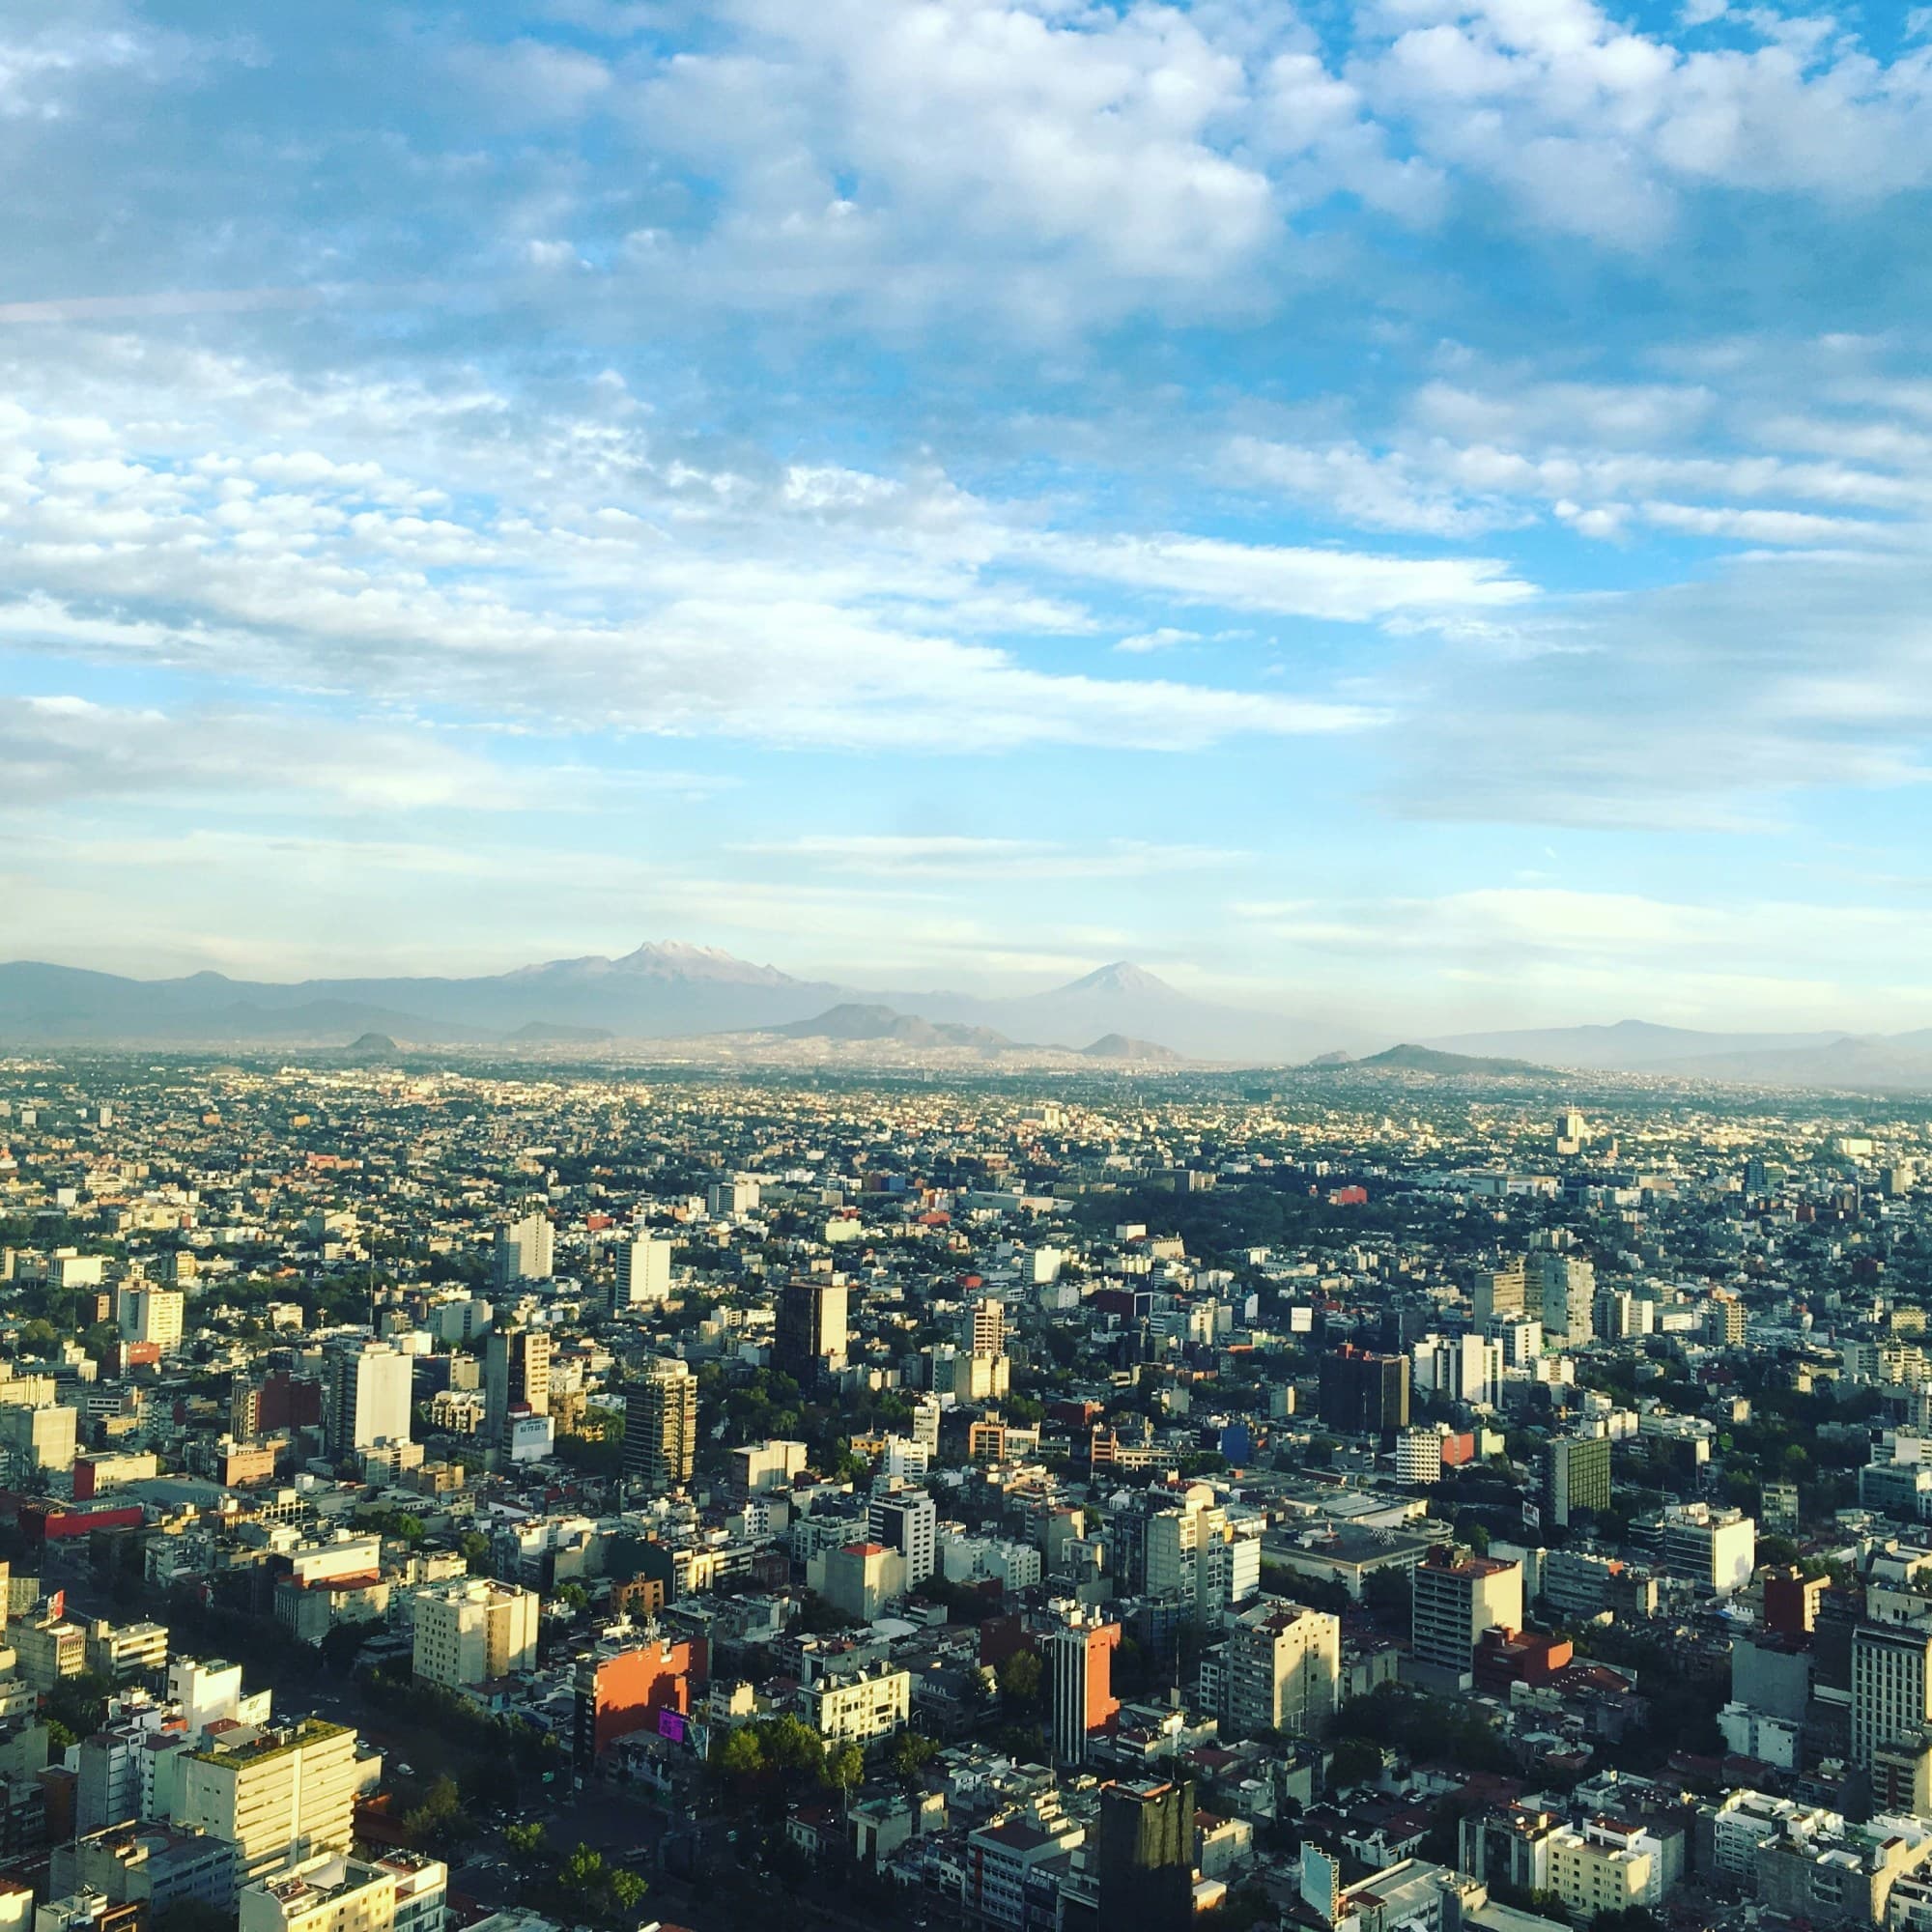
[1080, 1667]
[624, 1683]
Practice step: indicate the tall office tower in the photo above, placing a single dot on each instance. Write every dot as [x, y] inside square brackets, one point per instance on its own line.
[516, 1379]
[661, 1427]
[282, 1793]
[643, 1272]
[1144, 1855]
[1457, 1598]
[1570, 1130]
[983, 1332]
[1498, 1293]
[1462, 1367]
[147, 1313]
[366, 1395]
[1281, 1669]
[1568, 1288]
[812, 1338]
[1575, 1476]
[1891, 1687]
[524, 1250]
[1191, 1555]
[1079, 1656]
[1364, 1394]
[906, 1521]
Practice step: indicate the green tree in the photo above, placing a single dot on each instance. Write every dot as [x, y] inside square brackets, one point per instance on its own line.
[582, 1874]
[909, 1753]
[845, 1769]
[1357, 1760]
[525, 1843]
[1020, 1680]
[626, 1891]
[740, 1754]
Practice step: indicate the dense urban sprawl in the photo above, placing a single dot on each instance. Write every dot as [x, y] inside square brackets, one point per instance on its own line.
[533, 1496]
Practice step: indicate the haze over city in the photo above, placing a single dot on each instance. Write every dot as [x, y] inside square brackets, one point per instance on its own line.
[1409, 514]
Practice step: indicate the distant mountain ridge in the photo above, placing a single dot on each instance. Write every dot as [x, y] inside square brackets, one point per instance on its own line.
[662, 990]
[668, 990]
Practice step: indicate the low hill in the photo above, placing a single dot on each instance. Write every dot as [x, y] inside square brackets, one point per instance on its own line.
[1123, 1046]
[854, 1020]
[1409, 1058]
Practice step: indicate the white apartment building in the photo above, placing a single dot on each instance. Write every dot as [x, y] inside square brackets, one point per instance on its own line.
[474, 1630]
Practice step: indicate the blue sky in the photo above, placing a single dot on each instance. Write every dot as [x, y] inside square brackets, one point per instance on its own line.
[1411, 512]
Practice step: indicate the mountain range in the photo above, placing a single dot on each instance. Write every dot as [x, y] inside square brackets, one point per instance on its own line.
[660, 991]
[666, 990]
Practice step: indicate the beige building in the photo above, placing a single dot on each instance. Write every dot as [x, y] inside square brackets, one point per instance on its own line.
[276, 1792]
[332, 1893]
[863, 1579]
[474, 1630]
[1600, 1870]
[1280, 1669]
[1457, 1598]
[859, 1708]
[48, 1649]
[35, 1440]
[145, 1313]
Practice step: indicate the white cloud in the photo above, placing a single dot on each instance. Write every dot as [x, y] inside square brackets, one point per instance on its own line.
[699, 603]
[1349, 586]
[62, 750]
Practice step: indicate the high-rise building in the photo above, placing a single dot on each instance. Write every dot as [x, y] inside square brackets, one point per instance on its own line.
[1457, 1598]
[1458, 1367]
[985, 1329]
[1364, 1394]
[474, 1630]
[366, 1396]
[277, 1793]
[516, 1379]
[811, 1338]
[1891, 1687]
[661, 1427]
[1193, 1556]
[147, 1313]
[1079, 1659]
[1280, 1669]
[1575, 1476]
[524, 1250]
[926, 1412]
[36, 1438]
[1497, 1293]
[1144, 1855]
[1568, 1291]
[906, 1521]
[643, 1272]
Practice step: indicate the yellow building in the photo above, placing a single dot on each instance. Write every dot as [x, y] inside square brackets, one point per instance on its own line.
[1595, 1871]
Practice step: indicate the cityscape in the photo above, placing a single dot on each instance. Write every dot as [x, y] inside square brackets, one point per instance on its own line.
[963, 966]
[479, 1494]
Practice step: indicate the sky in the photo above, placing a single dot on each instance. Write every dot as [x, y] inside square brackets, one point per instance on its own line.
[1412, 512]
